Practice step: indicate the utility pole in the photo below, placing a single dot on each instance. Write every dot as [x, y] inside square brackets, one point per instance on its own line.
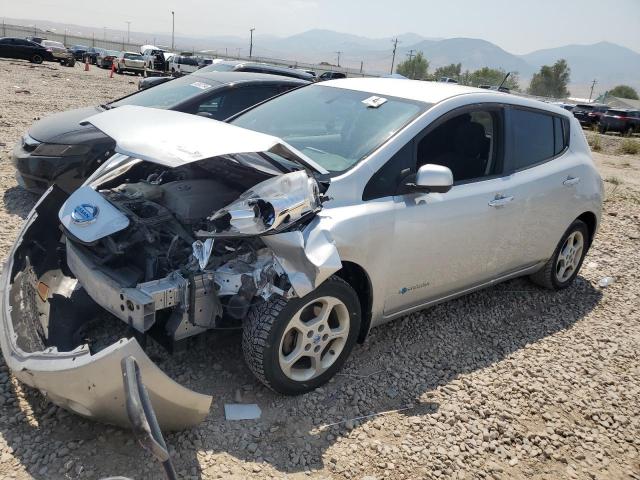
[413, 66]
[93, 39]
[65, 36]
[361, 65]
[128, 31]
[173, 28]
[251, 42]
[393, 59]
[239, 53]
[339, 53]
[593, 84]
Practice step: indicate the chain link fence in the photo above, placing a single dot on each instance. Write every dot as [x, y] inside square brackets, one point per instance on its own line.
[20, 31]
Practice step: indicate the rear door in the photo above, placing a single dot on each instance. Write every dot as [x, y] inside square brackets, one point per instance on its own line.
[544, 177]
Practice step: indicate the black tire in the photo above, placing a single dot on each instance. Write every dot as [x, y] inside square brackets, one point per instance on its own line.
[265, 326]
[36, 58]
[547, 276]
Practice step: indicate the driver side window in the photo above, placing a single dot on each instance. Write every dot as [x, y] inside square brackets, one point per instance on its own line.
[468, 144]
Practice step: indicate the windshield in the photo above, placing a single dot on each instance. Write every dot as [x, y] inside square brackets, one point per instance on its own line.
[113, 53]
[168, 94]
[333, 126]
[584, 107]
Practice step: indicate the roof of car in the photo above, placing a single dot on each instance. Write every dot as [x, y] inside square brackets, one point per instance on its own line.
[428, 92]
[232, 77]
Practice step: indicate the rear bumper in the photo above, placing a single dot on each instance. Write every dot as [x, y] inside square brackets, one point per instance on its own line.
[88, 384]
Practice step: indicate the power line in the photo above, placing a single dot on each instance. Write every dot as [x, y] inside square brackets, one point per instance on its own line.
[393, 59]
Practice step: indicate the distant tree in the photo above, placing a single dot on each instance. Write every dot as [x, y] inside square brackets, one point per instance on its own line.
[450, 71]
[416, 68]
[493, 77]
[624, 91]
[551, 81]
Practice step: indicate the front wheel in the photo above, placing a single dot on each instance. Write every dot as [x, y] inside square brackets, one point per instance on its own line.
[295, 346]
[563, 267]
[36, 58]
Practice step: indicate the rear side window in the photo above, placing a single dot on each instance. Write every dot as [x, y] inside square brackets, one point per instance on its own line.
[533, 138]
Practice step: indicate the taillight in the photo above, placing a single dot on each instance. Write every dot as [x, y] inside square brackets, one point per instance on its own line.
[49, 50]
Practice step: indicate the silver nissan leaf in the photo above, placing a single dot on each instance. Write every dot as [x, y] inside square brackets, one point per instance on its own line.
[306, 221]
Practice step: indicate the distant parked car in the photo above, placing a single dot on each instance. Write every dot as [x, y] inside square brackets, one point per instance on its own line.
[58, 150]
[589, 114]
[156, 58]
[11, 47]
[149, 82]
[92, 55]
[332, 76]
[181, 64]
[130, 62]
[60, 52]
[496, 88]
[79, 51]
[255, 67]
[106, 58]
[620, 120]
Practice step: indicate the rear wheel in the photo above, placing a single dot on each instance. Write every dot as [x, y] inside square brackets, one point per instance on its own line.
[36, 58]
[563, 267]
[295, 346]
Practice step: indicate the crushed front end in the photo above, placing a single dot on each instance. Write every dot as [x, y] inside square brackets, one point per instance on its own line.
[170, 252]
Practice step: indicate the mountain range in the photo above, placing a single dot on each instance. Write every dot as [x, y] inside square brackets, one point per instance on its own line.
[608, 63]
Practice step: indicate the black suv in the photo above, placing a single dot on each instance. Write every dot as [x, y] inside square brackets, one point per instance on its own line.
[620, 120]
[589, 114]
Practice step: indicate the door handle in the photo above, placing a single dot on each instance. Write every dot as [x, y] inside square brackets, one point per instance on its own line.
[500, 201]
[571, 181]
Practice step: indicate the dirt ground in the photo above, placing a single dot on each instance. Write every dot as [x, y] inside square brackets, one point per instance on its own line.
[509, 383]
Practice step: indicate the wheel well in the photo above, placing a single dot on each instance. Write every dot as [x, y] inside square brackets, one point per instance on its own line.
[356, 276]
[590, 219]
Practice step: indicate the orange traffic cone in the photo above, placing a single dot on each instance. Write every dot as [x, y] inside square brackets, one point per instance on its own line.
[86, 64]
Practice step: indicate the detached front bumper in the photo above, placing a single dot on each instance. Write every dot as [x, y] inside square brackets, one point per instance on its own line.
[88, 384]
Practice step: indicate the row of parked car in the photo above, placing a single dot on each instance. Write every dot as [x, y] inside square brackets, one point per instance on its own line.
[605, 118]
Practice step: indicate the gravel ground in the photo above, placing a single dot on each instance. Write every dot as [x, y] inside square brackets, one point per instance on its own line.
[511, 382]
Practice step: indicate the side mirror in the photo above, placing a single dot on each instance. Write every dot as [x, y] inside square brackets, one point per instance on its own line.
[142, 416]
[433, 178]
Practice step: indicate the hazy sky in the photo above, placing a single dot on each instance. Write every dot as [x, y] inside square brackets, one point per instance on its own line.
[515, 25]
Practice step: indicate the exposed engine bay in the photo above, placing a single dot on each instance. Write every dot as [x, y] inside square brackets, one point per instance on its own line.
[178, 251]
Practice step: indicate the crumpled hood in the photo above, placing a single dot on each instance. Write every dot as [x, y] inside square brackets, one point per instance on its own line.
[174, 138]
[64, 127]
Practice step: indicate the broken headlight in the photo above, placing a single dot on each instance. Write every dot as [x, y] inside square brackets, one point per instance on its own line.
[270, 205]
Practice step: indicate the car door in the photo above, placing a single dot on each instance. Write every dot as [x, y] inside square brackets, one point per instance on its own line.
[544, 177]
[446, 243]
[5, 48]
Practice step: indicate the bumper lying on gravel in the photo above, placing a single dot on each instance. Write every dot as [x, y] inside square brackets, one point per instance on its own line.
[35, 295]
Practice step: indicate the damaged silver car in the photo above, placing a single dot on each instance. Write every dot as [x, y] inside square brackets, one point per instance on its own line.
[305, 221]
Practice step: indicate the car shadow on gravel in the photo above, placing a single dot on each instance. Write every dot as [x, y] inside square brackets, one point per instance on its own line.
[18, 201]
[399, 368]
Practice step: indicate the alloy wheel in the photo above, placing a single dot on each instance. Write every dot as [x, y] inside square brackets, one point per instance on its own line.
[569, 256]
[314, 338]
